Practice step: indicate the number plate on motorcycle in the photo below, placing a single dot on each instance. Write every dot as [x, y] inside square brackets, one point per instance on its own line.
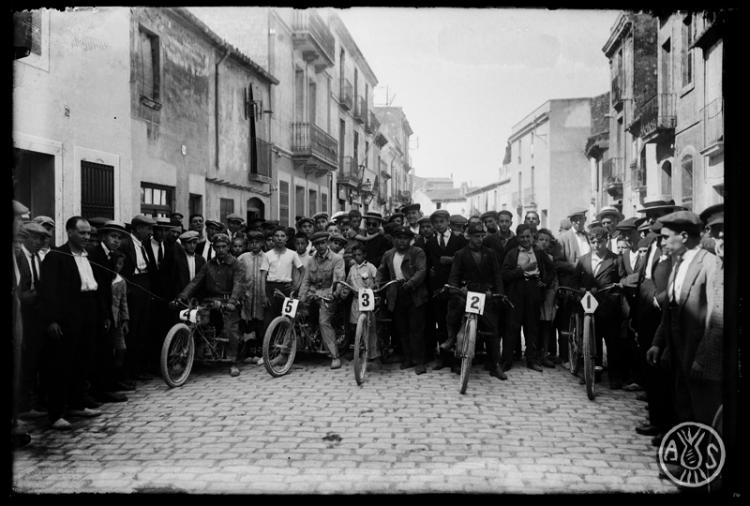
[366, 300]
[475, 303]
[189, 315]
[589, 303]
[290, 307]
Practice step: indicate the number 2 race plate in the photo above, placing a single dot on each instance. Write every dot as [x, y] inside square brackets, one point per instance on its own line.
[475, 303]
[290, 307]
[366, 300]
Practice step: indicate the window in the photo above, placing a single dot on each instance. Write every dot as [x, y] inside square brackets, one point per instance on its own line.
[195, 204]
[367, 154]
[34, 181]
[284, 203]
[313, 202]
[150, 70]
[323, 202]
[311, 99]
[687, 53]
[226, 207]
[666, 178]
[299, 95]
[31, 37]
[156, 200]
[355, 155]
[687, 181]
[97, 190]
[299, 200]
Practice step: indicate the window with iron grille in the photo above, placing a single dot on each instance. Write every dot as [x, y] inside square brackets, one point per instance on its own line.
[157, 200]
[150, 68]
[226, 207]
[313, 202]
[284, 203]
[97, 190]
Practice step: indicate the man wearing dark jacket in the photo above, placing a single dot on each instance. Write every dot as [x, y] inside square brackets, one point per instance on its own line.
[440, 250]
[185, 264]
[74, 310]
[476, 268]
[375, 242]
[526, 272]
[406, 301]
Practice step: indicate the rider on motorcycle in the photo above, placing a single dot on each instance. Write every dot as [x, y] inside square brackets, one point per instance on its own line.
[220, 280]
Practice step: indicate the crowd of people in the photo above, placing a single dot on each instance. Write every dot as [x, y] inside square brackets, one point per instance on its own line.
[90, 315]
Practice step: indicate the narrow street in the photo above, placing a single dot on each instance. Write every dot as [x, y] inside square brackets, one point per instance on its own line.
[314, 430]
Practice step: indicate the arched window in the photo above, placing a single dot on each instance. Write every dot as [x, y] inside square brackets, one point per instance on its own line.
[686, 165]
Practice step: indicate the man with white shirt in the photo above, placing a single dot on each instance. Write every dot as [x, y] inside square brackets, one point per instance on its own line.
[141, 273]
[206, 249]
[73, 310]
[185, 263]
[49, 242]
[678, 343]
[285, 272]
[413, 213]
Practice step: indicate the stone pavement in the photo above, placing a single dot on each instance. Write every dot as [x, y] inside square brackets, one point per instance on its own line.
[315, 430]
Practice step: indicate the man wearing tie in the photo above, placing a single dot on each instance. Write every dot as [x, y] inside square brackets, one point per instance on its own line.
[29, 264]
[236, 225]
[678, 342]
[609, 217]
[206, 249]
[140, 271]
[186, 263]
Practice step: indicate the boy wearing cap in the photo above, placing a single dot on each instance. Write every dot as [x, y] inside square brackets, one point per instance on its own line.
[254, 301]
[320, 220]
[221, 280]
[413, 214]
[406, 301]
[678, 341]
[186, 263]
[321, 271]
[426, 231]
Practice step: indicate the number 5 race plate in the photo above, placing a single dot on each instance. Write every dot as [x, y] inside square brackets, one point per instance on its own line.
[475, 303]
[290, 307]
[366, 300]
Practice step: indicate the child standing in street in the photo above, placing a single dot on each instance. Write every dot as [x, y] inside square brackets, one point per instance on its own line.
[255, 265]
[120, 313]
[361, 275]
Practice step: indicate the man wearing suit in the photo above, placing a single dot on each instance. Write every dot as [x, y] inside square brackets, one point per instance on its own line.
[679, 340]
[476, 268]
[141, 273]
[205, 248]
[29, 266]
[526, 271]
[500, 239]
[573, 245]
[440, 250]
[103, 388]
[594, 271]
[406, 301]
[73, 310]
[609, 217]
[185, 264]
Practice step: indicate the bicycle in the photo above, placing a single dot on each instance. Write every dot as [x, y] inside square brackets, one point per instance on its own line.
[195, 335]
[581, 335]
[466, 337]
[369, 305]
[288, 331]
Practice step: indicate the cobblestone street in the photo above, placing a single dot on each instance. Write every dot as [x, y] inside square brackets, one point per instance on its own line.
[314, 430]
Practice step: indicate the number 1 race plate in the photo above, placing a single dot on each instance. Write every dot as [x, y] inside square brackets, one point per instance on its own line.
[475, 303]
[366, 300]
[290, 307]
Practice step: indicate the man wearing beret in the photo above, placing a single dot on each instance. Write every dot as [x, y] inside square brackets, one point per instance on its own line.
[406, 301]
[322, 270]
[475, 267]
[679, 342]
[29, 266]
[413, 214]
[221, 281]
[440, 250]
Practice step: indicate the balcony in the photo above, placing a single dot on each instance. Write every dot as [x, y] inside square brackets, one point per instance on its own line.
[657, 117]
[314, 149]
[311, 36]
[263, 150]
[346, 98]
[373, 123]
[596, 145]
[360, 110]
[350, 173]
[637, 178]
[711, 31]
[613, 175]
[713, 127]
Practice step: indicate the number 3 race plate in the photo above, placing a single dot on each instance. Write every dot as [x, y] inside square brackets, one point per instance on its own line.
[366, 300]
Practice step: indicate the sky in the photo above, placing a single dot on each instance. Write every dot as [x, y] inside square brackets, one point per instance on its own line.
[465, 76]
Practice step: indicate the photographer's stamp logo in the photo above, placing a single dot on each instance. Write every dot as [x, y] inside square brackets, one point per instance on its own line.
[692, 454]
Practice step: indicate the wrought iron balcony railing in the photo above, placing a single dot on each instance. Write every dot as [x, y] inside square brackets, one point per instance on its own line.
[360, 110]
[657, 113]
[350, 172]
[312, 36]
[346, 99]
[309, 139]
[613, 175]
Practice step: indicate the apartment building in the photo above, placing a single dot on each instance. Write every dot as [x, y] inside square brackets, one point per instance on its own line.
[393, 140]
[606, 187]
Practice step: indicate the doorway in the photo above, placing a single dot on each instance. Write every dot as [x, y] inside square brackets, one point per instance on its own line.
[34, 181]
[255, 210]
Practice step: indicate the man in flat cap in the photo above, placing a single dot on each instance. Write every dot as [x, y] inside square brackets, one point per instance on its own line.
[406, 301]
[499, 237]
[715, 215]
[679, 342]
[141, 273]
[440, 250]
[95, 223]
[213, 227]
[413, 213]
[320, 220]
[29, 266]
[221, 282]
[425, 232]
[458, 224]
[374, 239]
[49, 242]
[322, 270]
[235, 223]
[185, 264]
